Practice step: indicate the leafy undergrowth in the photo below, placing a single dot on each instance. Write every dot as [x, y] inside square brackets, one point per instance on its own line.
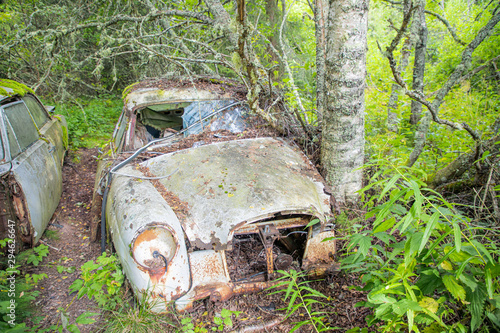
[91, 122]
[17, 285]
[426, 267]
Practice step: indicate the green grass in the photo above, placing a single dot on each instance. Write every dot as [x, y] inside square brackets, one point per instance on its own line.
[91, 121]
[52, 234]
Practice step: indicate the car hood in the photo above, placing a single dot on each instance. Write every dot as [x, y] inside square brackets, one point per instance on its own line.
[216, 188]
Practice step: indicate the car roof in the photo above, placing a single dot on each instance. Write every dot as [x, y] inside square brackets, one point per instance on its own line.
[11, 88]
[169, 91]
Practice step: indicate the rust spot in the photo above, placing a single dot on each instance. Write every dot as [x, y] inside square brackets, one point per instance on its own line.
[253, 228]
[224, 291]
[156, 273]
[18, 206]
[158, 238]
[180, 208]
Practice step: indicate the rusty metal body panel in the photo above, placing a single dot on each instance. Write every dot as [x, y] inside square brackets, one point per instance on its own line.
[34, 175]
[243, 181]
[178, 219]
[38, 175]
[260, 178]
[134, 205]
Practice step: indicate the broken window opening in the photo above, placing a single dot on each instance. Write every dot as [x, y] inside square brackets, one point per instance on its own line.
[159, 121]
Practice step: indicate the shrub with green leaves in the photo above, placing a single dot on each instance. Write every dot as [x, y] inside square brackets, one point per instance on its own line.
[91, 122]
[426, 267]
[300, 296]
[224, 320]
[23, 293]
[100, 280]
[34, 256]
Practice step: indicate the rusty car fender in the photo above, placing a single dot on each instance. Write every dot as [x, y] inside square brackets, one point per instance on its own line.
[135, 208]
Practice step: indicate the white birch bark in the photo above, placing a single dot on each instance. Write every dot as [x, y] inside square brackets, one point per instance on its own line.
[342, 145]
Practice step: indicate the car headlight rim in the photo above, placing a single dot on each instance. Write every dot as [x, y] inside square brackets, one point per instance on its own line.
[154, 237]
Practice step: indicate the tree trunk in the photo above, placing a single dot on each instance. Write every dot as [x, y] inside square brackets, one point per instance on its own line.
[419, 62]
[396, 90]
[320, 17]
[342, 144]
[274, 19]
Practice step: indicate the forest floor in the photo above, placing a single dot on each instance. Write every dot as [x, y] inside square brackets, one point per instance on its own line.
[70, 247]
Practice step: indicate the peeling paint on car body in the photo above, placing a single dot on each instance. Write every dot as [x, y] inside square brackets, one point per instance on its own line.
[212, 222]
[183, 213]
[268, 163]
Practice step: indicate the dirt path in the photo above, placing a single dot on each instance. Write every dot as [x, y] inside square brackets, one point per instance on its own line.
[68, 239]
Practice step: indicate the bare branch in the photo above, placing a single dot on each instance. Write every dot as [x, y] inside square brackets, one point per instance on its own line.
[448, 26]
[454, 78]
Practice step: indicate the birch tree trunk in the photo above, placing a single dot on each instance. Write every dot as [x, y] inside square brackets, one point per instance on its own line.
[342, 144]
[320, 14]
[419, 62]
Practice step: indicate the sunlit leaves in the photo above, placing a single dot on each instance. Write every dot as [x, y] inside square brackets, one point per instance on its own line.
[454, 287]
[419, 256]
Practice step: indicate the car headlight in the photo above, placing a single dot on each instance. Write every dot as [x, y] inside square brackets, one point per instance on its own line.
[154, 247]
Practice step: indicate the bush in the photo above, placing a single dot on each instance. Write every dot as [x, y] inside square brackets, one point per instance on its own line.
[422, 261]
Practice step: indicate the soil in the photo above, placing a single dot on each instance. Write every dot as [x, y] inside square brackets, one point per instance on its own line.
[71, 247]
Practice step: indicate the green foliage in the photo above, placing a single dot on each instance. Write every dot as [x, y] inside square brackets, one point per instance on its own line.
[64, 269]
[421, 260]
[16, 287]
[35, 255]
[100, 280]
[300, 296]
[51, 234]
[91, 122]
[137, 317]
[474, 101]
[224, 320]
[83, 319]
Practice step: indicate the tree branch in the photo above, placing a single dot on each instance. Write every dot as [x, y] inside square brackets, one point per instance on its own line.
[448, 26]
[117, 19]
[454, 78]
[439, 17]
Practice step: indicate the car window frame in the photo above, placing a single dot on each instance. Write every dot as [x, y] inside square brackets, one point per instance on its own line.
[6, 122]
[40, 105]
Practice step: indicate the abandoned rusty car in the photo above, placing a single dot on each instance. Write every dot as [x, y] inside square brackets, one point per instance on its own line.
[33, 143]
[198, 206]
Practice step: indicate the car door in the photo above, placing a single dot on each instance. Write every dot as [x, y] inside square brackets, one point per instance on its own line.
[34, 164]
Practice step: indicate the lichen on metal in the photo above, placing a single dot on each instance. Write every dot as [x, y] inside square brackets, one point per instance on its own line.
[241, 180]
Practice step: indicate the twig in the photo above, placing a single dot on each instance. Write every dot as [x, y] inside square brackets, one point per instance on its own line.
[448, 26]
[259, 327]
[52, 247]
